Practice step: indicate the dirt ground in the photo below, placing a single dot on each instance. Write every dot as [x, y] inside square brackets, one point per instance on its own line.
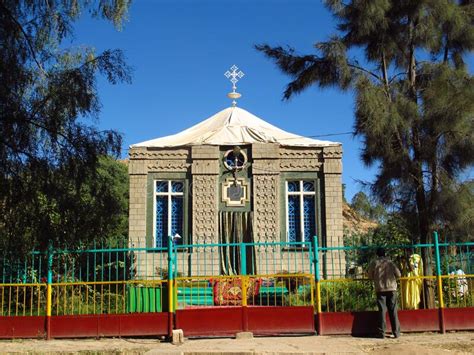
[426, 343]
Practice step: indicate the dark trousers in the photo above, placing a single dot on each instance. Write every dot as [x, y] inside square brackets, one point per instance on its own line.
[388, 301]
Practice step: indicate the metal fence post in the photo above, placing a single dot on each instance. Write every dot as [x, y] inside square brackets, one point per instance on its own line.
[318, 285]
[243, 259]
[440, 285]
[244, 285]
[170, 287]
[49, 290]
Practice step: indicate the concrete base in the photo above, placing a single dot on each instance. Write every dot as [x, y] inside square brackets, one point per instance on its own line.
[244, 335]
[177, 337]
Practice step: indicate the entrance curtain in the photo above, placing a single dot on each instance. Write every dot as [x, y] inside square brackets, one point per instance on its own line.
[235, 227]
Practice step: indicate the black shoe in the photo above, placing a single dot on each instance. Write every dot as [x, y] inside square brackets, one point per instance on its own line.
[380, 336]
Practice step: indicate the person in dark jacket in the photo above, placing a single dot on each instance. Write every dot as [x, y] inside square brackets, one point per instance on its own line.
[385, 273]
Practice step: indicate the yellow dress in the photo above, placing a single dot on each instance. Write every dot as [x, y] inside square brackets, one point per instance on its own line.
[411, 288]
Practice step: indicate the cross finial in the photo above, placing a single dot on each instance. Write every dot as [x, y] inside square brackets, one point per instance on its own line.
[234, 75]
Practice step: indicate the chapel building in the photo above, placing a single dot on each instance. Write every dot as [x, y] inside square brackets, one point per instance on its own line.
[235, 178]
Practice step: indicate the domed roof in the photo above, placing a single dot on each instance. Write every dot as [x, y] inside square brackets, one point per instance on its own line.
[233, 126]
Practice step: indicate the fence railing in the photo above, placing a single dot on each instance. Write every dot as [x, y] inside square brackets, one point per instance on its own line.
[124, 279]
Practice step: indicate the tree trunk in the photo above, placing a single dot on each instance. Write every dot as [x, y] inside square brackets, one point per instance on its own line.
[428, 301]
[418, 184]
[424, 229]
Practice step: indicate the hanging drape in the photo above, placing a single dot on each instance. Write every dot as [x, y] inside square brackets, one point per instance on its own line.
[236, 227]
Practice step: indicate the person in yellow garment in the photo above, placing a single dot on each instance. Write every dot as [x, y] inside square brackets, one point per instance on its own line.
[411, 287]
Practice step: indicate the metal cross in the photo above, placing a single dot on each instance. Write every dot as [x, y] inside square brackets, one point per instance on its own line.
[234, 76]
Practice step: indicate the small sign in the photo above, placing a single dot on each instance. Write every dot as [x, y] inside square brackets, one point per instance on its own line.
[235, 192]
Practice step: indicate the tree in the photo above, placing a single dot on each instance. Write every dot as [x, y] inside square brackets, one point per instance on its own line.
[71, 214]
[457, 203]
[361, 204]
[48, 152]
[367, 208]
[404, 61]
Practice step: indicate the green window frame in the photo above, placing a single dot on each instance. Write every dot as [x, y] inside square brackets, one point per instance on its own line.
[153, 196]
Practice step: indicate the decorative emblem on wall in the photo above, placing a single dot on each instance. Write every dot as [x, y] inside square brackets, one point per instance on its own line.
[235, 159]
[235, 192]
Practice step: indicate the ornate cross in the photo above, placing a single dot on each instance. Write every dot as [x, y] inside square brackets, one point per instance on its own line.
[234, 75]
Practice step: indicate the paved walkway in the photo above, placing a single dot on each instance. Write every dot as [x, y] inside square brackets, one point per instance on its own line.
[426, 343]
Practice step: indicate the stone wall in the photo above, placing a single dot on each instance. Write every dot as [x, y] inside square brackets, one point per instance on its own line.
[266, 192]
[332, 169]
[205, 176]
[268, 163]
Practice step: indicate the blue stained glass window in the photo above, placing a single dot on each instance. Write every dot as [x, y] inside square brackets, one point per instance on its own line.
[177, 186]
[309, 218]
[308, 186]
[293, 218]
[161, 221]
[301, 196]
[162, 186]
[169, 210]
[230, 160]
[177, 216]
[293, 186]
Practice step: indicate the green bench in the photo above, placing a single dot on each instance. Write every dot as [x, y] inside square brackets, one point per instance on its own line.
[195, 296]
[149, 299]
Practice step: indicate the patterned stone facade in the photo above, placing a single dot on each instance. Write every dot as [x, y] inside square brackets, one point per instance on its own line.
[269, 165]
[205, 209]
[266, 192]
[266, 208]
[205, 177]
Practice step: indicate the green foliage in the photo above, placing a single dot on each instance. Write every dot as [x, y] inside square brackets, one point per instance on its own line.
[452, 295]
[368, 209]
[51, 186]
[301, 297]
[68, 213]
[361, 204]
[392, 233]
[347, 296]
[89, 299]
[457, 202]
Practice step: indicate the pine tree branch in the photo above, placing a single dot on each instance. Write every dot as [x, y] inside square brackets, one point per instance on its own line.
[396, 75]
[20, 151]
[27, 38]
[43, 102]
[384, 69]
[54, 132]
[354, 66]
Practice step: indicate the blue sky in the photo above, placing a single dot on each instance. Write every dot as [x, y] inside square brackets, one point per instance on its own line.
[180, 49]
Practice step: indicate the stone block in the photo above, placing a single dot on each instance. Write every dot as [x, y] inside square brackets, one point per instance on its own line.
[137, 153]
[137, 167]
[205, 167]
[205, 152]
[332, 166]
[332, 152]
[177, 337]
[244, 335]
[167, 165]
[265, 151]
[266, 167]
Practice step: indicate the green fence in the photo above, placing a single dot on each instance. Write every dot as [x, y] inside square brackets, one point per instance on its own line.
[104, 279]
